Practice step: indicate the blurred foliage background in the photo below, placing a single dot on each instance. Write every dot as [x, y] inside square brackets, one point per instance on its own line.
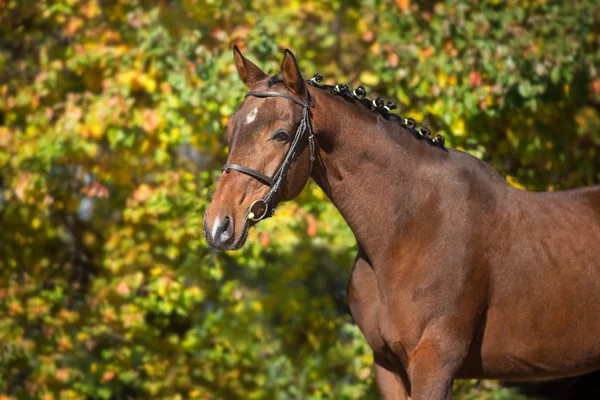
[111, 141]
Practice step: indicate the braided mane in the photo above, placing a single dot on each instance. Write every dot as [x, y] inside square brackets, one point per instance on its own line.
[378, 105]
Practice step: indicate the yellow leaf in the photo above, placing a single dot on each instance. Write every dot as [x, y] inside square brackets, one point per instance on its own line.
[175, 134]
[89, 238]
[442, 80]
[514, 182]
[458, 128]
[95, 130]
[369, 78]
[257, 306]
[173, 252]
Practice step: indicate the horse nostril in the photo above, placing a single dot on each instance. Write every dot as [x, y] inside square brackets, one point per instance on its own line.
[226, 230]
[225, 224]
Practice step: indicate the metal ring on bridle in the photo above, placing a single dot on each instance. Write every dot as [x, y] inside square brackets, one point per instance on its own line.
[263, 215]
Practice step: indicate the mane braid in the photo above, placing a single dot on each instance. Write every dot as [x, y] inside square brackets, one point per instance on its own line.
[378, 106]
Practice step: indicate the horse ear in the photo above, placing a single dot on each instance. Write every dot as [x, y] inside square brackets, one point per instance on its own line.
[249, 73]
[291, 73]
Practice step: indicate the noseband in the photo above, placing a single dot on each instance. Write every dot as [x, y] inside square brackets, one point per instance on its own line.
[274, 182]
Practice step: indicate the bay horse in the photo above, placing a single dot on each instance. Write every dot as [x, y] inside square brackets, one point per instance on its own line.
[458, 274]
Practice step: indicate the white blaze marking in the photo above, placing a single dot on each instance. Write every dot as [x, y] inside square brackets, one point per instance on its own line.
[251, 116]
[216, 225]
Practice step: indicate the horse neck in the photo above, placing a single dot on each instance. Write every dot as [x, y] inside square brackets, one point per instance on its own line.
[370, 168]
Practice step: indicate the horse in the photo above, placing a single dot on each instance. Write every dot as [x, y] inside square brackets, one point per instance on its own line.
[458, 274]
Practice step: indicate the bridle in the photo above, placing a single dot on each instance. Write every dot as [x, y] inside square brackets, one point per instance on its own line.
[274, 182]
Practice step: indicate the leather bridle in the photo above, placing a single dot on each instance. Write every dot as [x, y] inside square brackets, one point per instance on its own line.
[274, 182]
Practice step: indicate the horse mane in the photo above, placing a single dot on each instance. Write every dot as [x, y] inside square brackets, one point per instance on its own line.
[378, 106]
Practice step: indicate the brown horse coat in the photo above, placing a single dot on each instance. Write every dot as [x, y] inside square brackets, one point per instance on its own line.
[458, 274]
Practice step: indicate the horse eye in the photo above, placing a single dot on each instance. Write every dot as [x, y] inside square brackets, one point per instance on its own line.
[281, 136]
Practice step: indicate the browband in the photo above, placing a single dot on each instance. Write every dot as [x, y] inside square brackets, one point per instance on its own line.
[277, 94]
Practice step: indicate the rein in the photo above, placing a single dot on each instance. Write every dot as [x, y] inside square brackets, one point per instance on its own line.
[274, 182]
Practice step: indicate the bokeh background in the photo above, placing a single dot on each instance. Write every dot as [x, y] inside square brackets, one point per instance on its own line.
[111, 141]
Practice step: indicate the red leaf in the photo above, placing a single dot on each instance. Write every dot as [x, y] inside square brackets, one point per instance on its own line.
[475, 78]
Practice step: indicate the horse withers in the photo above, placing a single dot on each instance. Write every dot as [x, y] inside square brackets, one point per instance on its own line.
[458, 274]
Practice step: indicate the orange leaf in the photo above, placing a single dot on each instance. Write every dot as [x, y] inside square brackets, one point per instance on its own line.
[151, 121]
[403, 4]
[142, 193]
[62, 374]
[108, 376]
[265, 239]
